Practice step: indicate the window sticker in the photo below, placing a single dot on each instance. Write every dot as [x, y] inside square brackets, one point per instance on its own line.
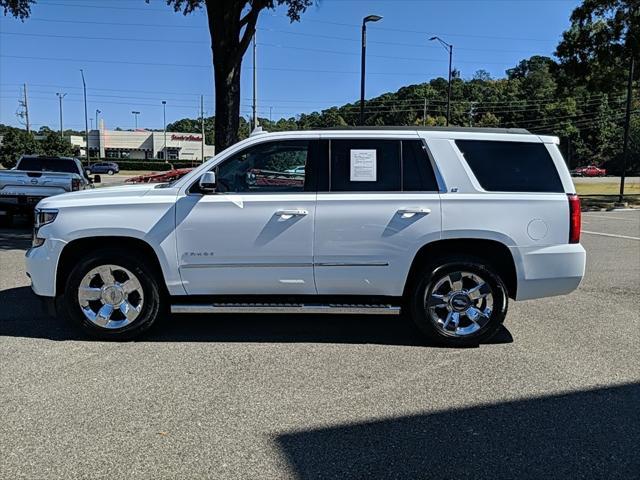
[363, 166]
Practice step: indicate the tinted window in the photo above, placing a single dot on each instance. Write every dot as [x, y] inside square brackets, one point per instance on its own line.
[268, 167]
[511, 166]
[417, 172]
[43, 164]
[365, 165]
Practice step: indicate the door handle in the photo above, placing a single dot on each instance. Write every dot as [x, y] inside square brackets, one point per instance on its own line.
[410, 212]
[286, 214]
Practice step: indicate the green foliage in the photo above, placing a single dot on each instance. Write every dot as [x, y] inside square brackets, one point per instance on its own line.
[56, 146]
[15, 143]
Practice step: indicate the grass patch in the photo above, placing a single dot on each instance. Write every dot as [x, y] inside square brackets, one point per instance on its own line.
[608, 188]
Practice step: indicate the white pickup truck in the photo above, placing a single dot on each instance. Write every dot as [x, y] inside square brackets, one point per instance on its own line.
[444, 224]
[36, 177]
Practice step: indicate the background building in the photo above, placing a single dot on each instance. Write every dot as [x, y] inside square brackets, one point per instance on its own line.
[146, 145]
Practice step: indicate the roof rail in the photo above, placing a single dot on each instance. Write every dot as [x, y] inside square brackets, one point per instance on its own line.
[436, 129]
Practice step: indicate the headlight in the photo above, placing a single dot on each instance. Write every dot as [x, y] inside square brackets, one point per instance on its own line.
[42, 217]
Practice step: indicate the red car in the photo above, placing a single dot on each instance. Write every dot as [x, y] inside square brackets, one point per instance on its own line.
[589, 171]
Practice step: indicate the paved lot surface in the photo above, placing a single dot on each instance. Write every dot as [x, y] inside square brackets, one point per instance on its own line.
[557, 395]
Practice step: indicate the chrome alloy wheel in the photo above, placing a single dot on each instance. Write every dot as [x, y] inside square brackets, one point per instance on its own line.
[110, 296]
[460, 304]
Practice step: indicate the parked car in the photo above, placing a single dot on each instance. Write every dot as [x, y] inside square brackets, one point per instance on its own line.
[36, 177]
[589, 171]
[446, 225]
[103, 167]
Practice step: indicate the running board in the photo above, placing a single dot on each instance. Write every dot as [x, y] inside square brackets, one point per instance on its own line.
[299, 308]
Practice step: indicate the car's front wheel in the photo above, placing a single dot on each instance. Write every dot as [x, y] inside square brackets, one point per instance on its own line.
[113, 295]
[110, 172]
[459, 302]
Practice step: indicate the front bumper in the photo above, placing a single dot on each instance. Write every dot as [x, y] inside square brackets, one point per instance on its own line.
[41, 264]
[548, 271]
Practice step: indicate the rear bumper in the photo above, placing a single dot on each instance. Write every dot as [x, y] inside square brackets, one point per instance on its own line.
[41, 265]
[19, 203]
[548, 271]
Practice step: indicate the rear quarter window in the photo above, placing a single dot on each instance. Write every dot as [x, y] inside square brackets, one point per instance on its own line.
[511, 166]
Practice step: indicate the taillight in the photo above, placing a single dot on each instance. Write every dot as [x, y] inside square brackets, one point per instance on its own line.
[75, 184]
[575, 220]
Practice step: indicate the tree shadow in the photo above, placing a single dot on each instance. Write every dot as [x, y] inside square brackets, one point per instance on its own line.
[23, 316]
[586, 434]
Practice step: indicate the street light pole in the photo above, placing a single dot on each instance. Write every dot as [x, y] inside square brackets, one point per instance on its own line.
[448, 47]
[363, 60]
[135, 116]
[86, 115]
[98, 112]
[255, 82]
[164, 128]
[60, 97]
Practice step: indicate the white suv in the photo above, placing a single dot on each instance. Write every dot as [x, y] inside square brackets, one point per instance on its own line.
[443, 224]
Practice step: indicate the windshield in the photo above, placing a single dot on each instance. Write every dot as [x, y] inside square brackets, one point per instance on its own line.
[44, 164]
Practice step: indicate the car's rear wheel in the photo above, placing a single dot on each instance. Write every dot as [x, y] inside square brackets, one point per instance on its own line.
[88, 172]
[459, 302]
[110, 172]
[113, 295]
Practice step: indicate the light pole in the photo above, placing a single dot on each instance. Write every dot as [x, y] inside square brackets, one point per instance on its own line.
[60, 97]
[365, 20]
[448, 47]
[164, 128]
[98, 112]
[86, 115]
[627, 127]
[135, 116]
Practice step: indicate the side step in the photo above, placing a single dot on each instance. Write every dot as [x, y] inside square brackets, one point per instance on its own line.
[299, 308]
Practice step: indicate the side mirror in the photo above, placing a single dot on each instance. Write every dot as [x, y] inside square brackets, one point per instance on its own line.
[97, 179]
[208, 182]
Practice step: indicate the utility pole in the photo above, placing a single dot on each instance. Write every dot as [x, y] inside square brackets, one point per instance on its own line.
[98, 112]
[270, 109]
[424, 113]
[60, 97]
[202, 123]
[26, 108]
[23, 112]
[255, 83]
[627, 127]
[86, 115]
[164, 128]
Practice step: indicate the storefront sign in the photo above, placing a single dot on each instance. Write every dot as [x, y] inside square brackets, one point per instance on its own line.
[186, 138]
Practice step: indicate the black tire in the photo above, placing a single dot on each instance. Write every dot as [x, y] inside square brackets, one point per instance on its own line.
[429, 278]
[110, 172]
[88, 172]
[152, 308]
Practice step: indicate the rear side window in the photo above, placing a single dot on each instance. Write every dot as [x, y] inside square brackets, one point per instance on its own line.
[362, 165]
[511, 166]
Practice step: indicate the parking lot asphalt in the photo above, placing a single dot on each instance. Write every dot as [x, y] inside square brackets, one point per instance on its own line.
[556, 395]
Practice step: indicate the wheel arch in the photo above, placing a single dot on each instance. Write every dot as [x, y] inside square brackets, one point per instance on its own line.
[74, 250]
[496, 253]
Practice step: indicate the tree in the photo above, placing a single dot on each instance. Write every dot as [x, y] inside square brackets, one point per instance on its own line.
[597, 47]
[18, 8]
[232, 24]
[15, 143]
[57, 146]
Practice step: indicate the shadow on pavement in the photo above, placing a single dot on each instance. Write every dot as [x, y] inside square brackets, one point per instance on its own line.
[15, 237]
[23, 317]
[586, 434]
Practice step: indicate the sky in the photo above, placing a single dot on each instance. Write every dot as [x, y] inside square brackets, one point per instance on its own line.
[135, 55]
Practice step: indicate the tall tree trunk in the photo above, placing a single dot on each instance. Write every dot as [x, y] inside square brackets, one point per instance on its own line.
[227, 95]
[228, 47]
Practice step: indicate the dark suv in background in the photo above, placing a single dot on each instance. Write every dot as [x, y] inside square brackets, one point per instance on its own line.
[103, 167]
